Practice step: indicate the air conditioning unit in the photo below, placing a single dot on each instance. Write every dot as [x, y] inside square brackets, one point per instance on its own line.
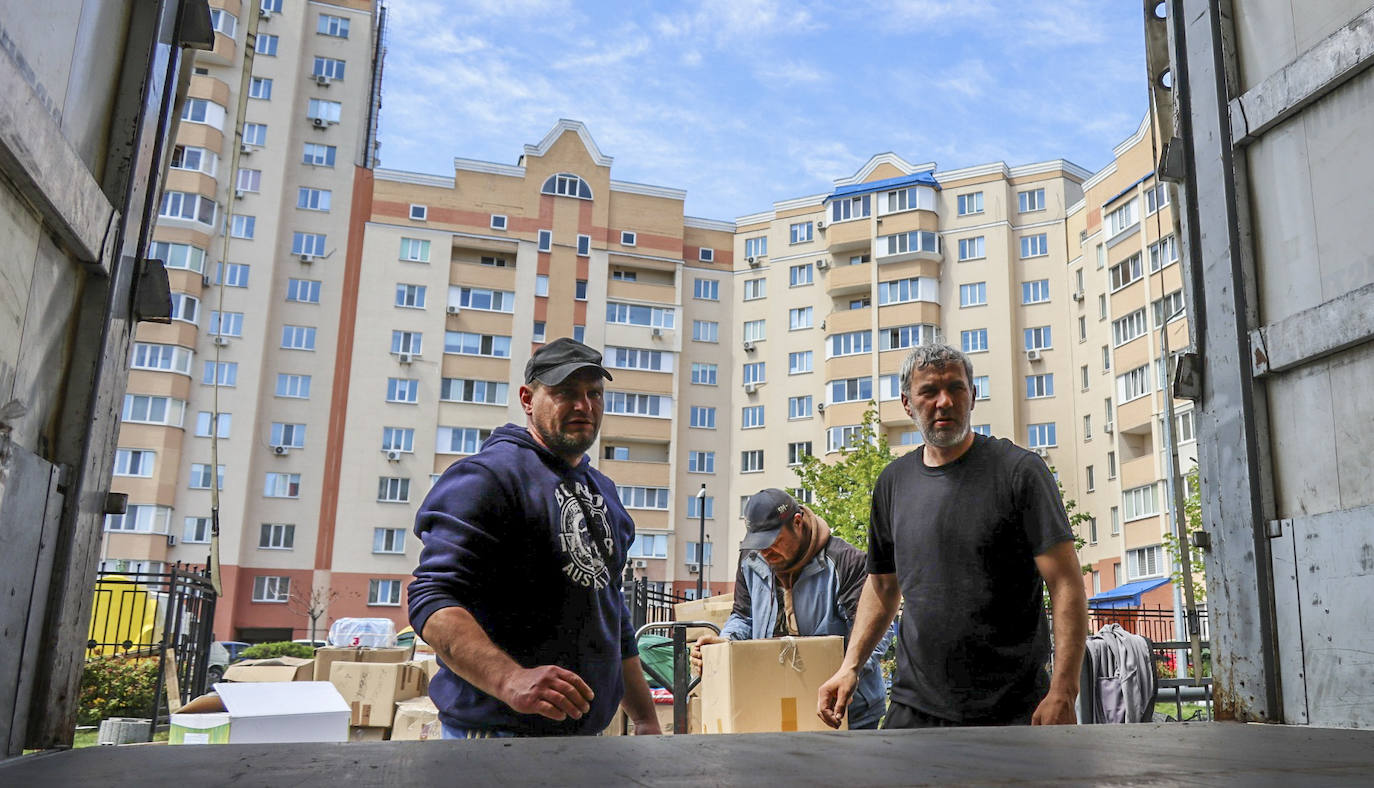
[238, 194]
[1109, 428]
[246, 149]
[693, 568]
[1078, 295]
[322, 80]
[822, 264]
[820, 407]
[753, 262]
[820, 224]
[656, 332]
[1033, 354]
[405, 358]
[454, 309]
[307, 258]
[319, 122]
[822, 325]
[750, 388]
[205, 280]
[221, 341]
[393, 455]
[1042, 451]
[264, 15]
[748, 346]
[280, 451]
[640, 563]
[171, 540]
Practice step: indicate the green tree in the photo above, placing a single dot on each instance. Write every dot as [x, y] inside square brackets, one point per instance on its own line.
[1076, 518]
[1192, 515]
[842, 491]
[284, 648]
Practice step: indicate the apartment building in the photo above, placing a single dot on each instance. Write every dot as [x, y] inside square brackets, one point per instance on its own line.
[276, 129]
[1128, 321]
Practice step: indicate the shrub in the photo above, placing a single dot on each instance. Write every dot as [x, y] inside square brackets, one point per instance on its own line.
[116, 687]
[283, 649]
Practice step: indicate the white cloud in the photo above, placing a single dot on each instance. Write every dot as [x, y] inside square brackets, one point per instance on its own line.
[969, 78]
[789, 72]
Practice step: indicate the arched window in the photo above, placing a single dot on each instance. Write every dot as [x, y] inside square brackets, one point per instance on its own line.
[565, 184]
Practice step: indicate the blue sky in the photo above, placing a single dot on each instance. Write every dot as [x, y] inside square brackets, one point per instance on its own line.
[744, 102]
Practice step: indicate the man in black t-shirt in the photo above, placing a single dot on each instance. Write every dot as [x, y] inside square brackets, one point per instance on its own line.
[964, 530]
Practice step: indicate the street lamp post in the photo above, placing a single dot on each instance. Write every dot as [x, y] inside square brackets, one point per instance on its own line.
[701, 543]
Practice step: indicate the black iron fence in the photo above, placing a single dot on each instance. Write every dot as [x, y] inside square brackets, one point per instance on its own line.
[649, 604]
[1157, 624]
[167, 617]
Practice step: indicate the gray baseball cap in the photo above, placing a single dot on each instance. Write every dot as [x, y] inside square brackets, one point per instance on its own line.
[554, 362]
[764, 514]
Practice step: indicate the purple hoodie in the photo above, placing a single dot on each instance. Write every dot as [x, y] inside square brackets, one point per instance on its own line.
[505, 537]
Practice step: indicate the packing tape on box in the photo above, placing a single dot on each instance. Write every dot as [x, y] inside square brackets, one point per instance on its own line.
[788, 709]
[789, 649]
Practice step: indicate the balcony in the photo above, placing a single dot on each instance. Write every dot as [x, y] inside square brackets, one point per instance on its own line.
[842, 321]
[893, 414]
[224, 52]
[850, 236]
[467, 271]
[642, 428]
[631, 473]
[859, 365]
[845, 279]
[1139, 471]
[910, 313]
[913, 245]
[641, 291]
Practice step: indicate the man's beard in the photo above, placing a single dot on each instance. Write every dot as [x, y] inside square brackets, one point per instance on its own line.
[945, 437]
[562, 443]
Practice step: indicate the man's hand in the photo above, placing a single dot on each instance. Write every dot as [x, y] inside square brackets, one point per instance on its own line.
[1055, 709]
[704, 640]
[549, 691]
[833, 698]
[648, 727]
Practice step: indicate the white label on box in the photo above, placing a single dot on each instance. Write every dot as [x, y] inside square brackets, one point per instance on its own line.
[196, 738]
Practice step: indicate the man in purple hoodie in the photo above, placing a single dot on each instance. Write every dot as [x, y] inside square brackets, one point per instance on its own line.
[518, 584]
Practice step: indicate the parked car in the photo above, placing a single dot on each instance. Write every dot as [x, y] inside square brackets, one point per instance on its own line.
[309, 642]
[223, 653]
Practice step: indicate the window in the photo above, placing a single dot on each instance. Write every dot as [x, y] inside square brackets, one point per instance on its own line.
[282, 485]
[383, 592]
[308, 244]
[983, 429]
[541, 285]
[756, 247]
[693, 549]
[902, 337]
[276, 536]
[1156, 197]
[266, 45]
[1041, 435]
[329, 112]
[153, 410]
[402, 390]
[1092, 539]
[755, 289]
[1031, 200]
[1116, 524]
[1083, 375]
[970, 203]
[800, 232]
[180, 256]
[584, 245]
[637, 315]
[545, 240]
[482, 298]
[911, 438]
[643, 497]
[313, 199]
[751, 417]
[705, 331]
[284, 434]
[268, 588]
[901, 243]
[580, 290]
[566, 185]
[799, 275]
[649, 546]
[410, 296]
[1169, 307]
[1125, 272]
[188, 157]
[330, 25]
[481, 392]
[755, 372]
[850, 208]
[459, 440]
[389, 540]
[755, 330]
[797, 451]
[799, 407]
[185, 205]
[751, 461]
[260, 88]
[293, 386]
[1038, 386]
[706, 289]
[1133, 384]
[1122, 219]
[627, 404]
[499, 221]
[248, 180]
[1038, 338]
[706, 255]
[1106, 359]
[701, 462]
[393, 489]
[497, 262]
[799, 318]
[702, 417]
[1034, 245]
[1082, 329]
[975, 294]
[160, 358]
[243, 226]
[918, 288]
[329, 68]
[227, 324]
[636, 358]
[196, 530]
[982, 386]
[861, 303]
[908, 199]
[852, 343]
[1163, 252]
[1129, 327]
[850, 390]
[221, 373]
[298, 337]
[972, 248]
[1139, 502]
[319, 155]
[975, 341]
[255, 134]
[407, 342]
[415, 250]
[1184, 431]
[468, 344]
[1144, 562]
[140, 518]
[703, 374]
[628, 238]
[799, 362]
[1111, 467]
[203, 419]
[841, 438]
[197, 110]
[694, 509]
[133, 462]
[1037, 292]
[1088, 475]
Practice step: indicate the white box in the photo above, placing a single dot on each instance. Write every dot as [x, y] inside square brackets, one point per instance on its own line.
[267, 713]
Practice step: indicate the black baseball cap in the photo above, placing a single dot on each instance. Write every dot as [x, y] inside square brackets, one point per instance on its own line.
[554, 362]
[764, 514]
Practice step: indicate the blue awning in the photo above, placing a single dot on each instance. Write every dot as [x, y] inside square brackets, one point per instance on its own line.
[1127, 595]
[925, 178]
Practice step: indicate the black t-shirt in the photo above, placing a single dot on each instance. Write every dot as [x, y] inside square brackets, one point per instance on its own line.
[962, 539]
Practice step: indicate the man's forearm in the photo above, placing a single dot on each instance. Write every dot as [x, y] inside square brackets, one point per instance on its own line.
[638, 702]
[468, 651]
[1070, 604]
[877, 606]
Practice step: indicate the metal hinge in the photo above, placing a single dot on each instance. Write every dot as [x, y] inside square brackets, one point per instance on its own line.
[1274, 528]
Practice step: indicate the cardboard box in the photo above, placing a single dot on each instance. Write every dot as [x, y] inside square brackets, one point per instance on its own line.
[267, 713]
[429, 662]
[416, 720]
[274, 669]
[326, 656]
[760, 686]
[715, 609]
[372, 689]
[359, 733]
